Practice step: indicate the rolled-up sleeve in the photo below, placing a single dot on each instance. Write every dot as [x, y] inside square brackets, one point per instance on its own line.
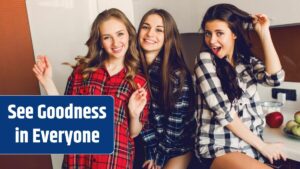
[262, 77]
[150, 138]
[209, 84]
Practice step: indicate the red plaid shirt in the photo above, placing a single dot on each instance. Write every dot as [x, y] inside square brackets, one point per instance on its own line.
[101, 83]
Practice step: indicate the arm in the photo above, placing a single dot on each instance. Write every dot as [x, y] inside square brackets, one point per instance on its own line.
[271, 74]
[136, 105]
[261, 26]
[269, 150]
[43, 72]
[262, 77]
[217, 100]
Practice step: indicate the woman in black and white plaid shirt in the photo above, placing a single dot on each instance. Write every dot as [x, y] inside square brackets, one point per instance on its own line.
[229, 120]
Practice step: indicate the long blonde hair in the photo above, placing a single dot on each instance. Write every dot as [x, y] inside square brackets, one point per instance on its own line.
[97, 55]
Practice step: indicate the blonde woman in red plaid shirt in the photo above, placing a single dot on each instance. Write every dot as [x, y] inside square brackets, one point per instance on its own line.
[109, 68]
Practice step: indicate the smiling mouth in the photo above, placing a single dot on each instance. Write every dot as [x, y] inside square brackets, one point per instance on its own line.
[148, 41]
[117, 50]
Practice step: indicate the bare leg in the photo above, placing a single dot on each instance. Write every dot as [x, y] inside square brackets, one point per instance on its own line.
[237, 160]
[179, 162]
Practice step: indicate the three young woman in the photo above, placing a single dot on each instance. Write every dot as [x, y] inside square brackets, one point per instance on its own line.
[230, 120]
[109, 68]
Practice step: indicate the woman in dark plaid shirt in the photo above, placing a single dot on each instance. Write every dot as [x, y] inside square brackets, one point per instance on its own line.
[168, 135]
[230, 121]
[109, 68]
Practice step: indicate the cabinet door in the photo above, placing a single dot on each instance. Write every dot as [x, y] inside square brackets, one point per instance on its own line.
[16, 77]
[16, 54]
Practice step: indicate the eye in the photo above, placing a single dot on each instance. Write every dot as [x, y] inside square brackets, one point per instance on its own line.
[159, 30]
[207, 34]
[219, 34]
[145, 27]
[120, 34]
[106, 37]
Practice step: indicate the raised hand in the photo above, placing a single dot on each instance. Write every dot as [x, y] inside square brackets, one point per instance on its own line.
[137, 102]
[261, 23]
[43, 70]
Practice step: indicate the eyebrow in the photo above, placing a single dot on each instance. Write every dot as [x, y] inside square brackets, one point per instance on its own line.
[217, 30]
[149, 25]
[122, 30]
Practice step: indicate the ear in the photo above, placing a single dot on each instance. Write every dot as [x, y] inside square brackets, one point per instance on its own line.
[234, 36]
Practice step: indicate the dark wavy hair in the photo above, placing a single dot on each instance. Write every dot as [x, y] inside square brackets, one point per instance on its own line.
[240, 23]
[96, 55]
[172, 58]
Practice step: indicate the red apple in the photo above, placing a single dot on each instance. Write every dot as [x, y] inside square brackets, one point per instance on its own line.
[274, 119]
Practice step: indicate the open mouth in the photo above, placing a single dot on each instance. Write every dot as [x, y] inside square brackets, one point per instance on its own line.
[215, 50]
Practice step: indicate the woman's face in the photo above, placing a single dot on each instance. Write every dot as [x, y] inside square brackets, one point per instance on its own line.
[152, 35]
[219, 38]
[115, 38]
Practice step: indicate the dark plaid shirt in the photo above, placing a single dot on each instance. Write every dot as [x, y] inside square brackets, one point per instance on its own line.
[214, 110]
[169, 134]
[101, 83]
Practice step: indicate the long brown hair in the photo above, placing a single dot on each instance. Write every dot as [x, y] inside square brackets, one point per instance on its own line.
[96, 55]
[172, 58]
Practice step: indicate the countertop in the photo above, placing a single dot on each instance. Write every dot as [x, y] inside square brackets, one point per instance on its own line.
[292, 145]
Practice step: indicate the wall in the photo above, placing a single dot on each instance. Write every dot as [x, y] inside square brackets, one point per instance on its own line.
[188, 13]
[184, 12]
[124, 5]
[59, 30]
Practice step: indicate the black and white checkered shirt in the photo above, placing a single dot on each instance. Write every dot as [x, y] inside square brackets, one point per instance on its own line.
[214, 110]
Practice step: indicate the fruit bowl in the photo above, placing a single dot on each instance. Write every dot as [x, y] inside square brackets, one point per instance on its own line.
[289, 134]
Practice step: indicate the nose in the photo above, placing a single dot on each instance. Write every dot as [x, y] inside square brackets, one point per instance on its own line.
[212, 39]
[150, 32]
[115, 41]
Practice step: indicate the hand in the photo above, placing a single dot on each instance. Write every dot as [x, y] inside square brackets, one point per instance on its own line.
[261, 23]
[137, 102]
[273, 151]
[157, 167]
[43, 70]
[149, 164]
